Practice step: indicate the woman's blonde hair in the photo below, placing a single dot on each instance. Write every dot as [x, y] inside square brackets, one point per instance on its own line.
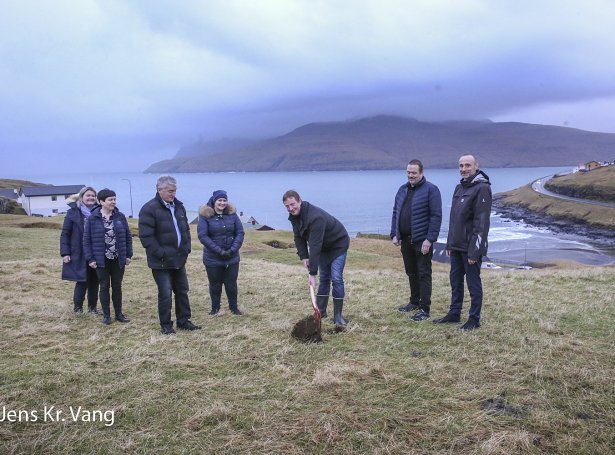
[83, 191]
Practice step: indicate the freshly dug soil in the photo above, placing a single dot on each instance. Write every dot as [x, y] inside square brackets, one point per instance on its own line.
[307, 330]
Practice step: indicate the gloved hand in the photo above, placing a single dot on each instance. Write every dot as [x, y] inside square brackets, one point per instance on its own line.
[226, 253]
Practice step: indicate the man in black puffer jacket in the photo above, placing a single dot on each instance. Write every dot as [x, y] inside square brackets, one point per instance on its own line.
[467, 240]
[328, 243]
[165, 234]
[417, 216]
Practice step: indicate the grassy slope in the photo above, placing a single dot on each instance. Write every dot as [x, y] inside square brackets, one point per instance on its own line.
[560, 209]
[598, 184]
[12, 183]
[241, 385]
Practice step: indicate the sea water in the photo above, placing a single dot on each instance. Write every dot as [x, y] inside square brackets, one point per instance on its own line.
[361, 200]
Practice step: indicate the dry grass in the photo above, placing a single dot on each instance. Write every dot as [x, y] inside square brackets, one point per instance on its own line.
[598, 184]
[536, 378]
[560, 209]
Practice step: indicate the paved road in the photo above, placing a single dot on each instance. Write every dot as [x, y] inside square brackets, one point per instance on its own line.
[538, 186]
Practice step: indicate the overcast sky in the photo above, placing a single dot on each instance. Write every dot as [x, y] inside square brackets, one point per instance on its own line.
[119, 84]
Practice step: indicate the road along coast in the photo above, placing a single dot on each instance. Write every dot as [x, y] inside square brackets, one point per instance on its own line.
[558, 215]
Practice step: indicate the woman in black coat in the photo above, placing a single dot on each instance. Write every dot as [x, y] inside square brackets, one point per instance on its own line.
[107, 245]
[221, 233]
[74, 265]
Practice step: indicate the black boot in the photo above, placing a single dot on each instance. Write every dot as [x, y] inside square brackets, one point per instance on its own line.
[338, 305]
[321, 302]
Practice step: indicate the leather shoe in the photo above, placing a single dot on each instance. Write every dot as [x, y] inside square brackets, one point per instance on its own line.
[448, 319]
[106, 320]
[167, 329]
[188, 326]
[214, 311]
[408, 308]
[120, 317]
[236, 312]
[471, 324]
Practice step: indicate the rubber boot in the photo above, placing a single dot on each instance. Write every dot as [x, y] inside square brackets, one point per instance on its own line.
[340, 322]
[321, 302]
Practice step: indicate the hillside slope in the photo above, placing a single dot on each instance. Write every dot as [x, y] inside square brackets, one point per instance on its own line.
[387, 142]
[598, 184]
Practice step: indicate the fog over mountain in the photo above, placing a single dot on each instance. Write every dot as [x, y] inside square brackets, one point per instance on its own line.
[389, 142]
[112, 85]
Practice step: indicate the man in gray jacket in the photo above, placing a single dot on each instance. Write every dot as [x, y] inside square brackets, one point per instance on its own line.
[467, 240]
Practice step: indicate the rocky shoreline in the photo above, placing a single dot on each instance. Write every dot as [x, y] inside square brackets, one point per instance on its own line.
[567, 226]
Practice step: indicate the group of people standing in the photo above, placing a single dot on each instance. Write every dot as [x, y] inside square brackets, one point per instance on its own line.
[96, 247]
[415, 226]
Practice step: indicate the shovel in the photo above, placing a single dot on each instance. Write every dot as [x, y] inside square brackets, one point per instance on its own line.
[308, 329]
[317, 315]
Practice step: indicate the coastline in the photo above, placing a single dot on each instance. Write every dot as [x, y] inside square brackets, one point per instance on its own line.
[560, 225]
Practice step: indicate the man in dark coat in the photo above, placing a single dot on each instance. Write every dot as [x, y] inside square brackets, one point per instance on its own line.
[467, 240]
[322, 244]
[417, 216]
[165, 234]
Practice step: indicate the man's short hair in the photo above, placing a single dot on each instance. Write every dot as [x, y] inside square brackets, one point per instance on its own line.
[416, 163]
[291, 194]
[473, 157]
[164, 181]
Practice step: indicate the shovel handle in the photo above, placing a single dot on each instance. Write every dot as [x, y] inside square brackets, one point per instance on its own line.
[316, 310]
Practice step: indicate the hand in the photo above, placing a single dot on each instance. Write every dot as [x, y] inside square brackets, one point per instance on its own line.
[128, 261]
[425, 246]
[395, 241]
[312, 280]
[226, 253]
[448, 253]
[92, 264]
[66, 259]
[306, 263]
[471, 261]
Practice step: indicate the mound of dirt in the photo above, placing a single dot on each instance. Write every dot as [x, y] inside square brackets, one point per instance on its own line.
[307, 330]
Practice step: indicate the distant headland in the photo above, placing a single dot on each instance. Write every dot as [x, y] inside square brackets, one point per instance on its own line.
[388, 142]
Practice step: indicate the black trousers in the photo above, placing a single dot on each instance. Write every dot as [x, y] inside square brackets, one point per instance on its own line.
[418, 269]
[110, 276]
[169, 282]
[89, 287]
[227, 276]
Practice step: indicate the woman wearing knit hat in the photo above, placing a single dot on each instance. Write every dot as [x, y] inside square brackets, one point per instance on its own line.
[221, 233]
[74, 265]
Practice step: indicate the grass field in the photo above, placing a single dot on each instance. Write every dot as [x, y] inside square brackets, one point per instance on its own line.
[536, 378]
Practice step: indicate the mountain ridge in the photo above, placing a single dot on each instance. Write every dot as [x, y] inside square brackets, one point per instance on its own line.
[388, 142]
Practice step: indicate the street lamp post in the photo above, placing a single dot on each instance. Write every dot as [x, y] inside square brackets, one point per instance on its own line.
[130, 190]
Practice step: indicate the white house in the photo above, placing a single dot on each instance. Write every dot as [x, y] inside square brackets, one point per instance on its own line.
[248, 220]
[46, 200]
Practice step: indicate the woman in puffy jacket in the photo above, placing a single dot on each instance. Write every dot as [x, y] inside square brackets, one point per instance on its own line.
[221, 233]
[107, 244]
[74, 265]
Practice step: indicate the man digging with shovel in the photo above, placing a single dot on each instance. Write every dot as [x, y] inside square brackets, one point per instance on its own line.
[322, 244]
